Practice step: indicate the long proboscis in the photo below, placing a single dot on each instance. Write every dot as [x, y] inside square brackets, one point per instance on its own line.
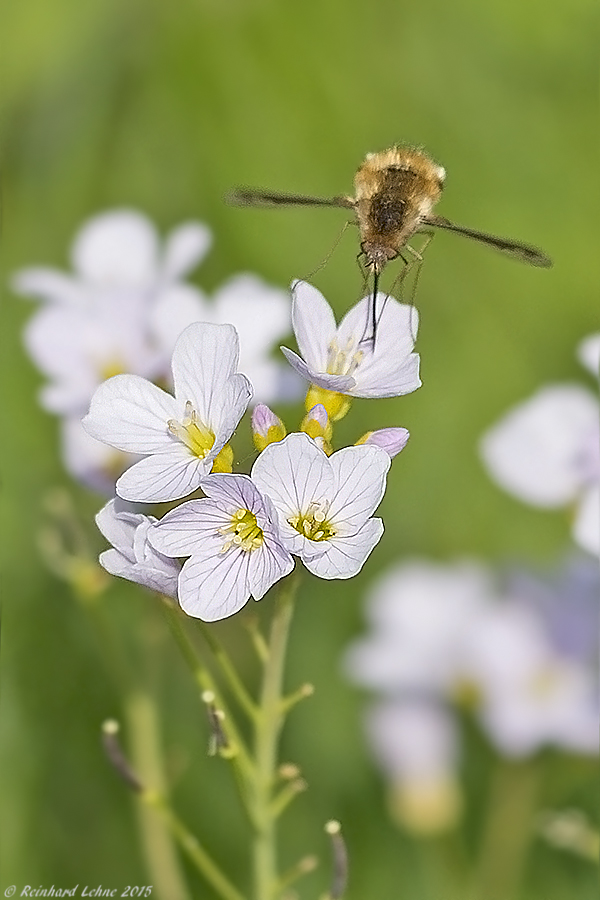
[254, 197]
[516, 249]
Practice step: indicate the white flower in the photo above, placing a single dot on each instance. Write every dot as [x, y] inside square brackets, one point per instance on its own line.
[340, 360]
[180, 436]
[588, 353]
[259, 313]
[416, 744]
[546, 452]
[233, 543]
[96, 322]
[433, 638]
[132, 557]
[118, 250]
[325, 503]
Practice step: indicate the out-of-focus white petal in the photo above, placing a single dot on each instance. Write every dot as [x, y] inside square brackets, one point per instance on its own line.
[588, 353]
[131, 414]
[163, 476]
[314, 324]
[177, 306]
[586, 527]
[185, 247]
[360, 474]
[413, 739]
[48, 284]
[537, 451]
[117, 248]
[345, 556]
[91, 462]
[260, 313]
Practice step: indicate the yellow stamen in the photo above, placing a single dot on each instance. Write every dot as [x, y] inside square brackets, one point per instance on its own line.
[313, 523]
[192, 432]
[243, 532]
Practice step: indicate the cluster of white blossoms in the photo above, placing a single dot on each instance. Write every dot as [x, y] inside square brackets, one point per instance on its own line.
[123, 309]
[215, 551]
[445, 638]
[546, 451]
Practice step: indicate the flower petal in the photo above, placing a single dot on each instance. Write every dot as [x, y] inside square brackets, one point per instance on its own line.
[163, 477]
[131, 413]
[345, 556]
[214, 585]
[119, 247]
[185, 247]
[184, 530]
[314, 324]
[48, 284]
[293, 472]
[586, 527]
[204, 358]
[268, 564]
[360, 474]
[342, 384]
[536, 452]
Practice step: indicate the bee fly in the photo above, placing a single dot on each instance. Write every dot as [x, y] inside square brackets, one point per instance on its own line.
[395, 192]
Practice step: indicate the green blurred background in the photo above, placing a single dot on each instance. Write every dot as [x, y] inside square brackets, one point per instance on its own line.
[164, 106]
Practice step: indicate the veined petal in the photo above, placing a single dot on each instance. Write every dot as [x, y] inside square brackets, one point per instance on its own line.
[227, 409]
[119, 247]
[360, 485]
[183, 531]
[345, 556]
[293, 472]
[376, 378]
[314, 324]
[267, 565]
[119, 529]
[185, 247]
[132, 414]
[214, 585]
[162, 477]
[233, 492]
[341, 384]
[397, 326]
[204, 358]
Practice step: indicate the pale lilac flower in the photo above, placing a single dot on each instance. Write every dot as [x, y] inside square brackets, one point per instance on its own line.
[131, 556]
[118, 250]
[180, 436]
[96, 322]
[261, 315]
[233, 544]
[340, 360]
[325, 503]
[546, 452]
[416, 744]
[446, 634]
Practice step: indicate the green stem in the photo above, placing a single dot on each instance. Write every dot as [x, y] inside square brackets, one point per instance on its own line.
[237, 688]
[267, 731]
[192, 847]
[146, 757]
[508, 830]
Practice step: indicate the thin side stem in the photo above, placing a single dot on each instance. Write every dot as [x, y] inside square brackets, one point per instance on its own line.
[267, 731]
[508, 830]
[192, 847]
[231, 676]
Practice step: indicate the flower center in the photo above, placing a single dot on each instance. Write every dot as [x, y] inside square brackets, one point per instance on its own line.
[313, 524]
[192, 432]
[344, 361]
[243, 532]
